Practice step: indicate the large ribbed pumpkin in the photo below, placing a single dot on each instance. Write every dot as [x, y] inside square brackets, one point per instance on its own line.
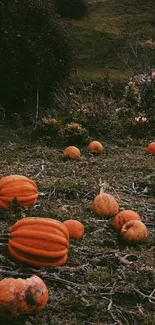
[39, 241]
[18, 187]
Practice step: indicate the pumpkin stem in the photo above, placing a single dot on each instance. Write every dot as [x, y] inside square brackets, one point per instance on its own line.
[103, 186]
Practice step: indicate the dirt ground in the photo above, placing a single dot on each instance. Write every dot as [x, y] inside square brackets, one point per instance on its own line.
[104, 281]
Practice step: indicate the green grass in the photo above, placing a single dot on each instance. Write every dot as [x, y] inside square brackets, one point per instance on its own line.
[101, 37]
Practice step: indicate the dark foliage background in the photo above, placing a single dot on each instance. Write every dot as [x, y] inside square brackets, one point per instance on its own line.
[36, 52]
[71, 8]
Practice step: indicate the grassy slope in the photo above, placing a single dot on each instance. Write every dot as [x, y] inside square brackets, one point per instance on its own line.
[96, 286]
[102, 36]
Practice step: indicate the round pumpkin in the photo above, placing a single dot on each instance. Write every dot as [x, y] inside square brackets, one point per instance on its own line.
[134, 231]
[151, 148]
[75, 228]
[39, 241]
[95, 147]
[122, 217]
[19, 297]
[105, 205]
[18, 187]
[72, 152]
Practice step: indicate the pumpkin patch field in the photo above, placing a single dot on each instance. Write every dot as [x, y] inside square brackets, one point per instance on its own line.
[90, 272]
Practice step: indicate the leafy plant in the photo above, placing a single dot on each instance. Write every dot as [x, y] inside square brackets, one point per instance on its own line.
[74, 133]
[48, 126]
[132, 94]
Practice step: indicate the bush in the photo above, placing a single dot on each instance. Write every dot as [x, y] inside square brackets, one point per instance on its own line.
[74, 134]
[48, 126]
[71, 8]
[36, 52]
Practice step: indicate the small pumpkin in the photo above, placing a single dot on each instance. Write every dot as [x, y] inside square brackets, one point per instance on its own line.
[122, 217]
[134, 231]
[19, 297]
[75, 228]
[151, 148]
[95, 147]
[39, 241]
[104, 204]
[140, 120]
[18, 187]
[72, 152]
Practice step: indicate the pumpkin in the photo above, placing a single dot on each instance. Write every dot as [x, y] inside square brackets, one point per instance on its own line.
[72, 152]
[151, 148]
[75, 228]
[134, 231]
[19, 297]
[95, 147]
[123, 217]
[140, 120]
[104, 204]
[18, 187]
[39, 241]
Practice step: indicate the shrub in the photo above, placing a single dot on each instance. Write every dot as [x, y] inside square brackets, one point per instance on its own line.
[48, 126]
[71, 8]
[36, 52]
[132, 94]
[74, 133]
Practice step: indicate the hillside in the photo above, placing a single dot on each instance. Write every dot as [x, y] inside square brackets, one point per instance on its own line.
[105, 280]
[104, 38]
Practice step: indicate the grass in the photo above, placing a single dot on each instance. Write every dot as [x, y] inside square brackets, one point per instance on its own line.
[104, 281]
[102, 37]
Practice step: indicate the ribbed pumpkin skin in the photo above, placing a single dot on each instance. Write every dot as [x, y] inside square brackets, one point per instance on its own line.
[72, 152]
[39, 241]
[20, 297]
[105, 205]
[19, 187]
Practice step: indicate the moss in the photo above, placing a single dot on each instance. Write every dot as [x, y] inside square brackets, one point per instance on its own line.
[100, 276]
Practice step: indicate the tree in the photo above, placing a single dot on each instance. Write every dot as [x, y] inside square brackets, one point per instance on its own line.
[71, 8]
[36, 52]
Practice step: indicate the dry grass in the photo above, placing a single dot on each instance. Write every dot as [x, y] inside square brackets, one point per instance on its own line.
[104, 282]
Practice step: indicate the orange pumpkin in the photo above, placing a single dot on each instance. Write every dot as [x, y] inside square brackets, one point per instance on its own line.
[105, 205]
[151, 148]
[123, 217]
[75, 228]
[134, 231]
[95, 147]
[72, 152]
[39, 241]
[19, 297]
[18, 187]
